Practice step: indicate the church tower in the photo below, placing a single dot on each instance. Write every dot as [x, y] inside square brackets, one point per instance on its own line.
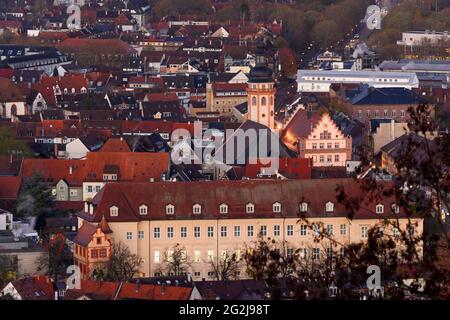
[261, 92]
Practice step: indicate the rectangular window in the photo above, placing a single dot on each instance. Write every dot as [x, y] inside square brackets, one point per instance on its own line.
[276, 231]
[97, 188]
[303, 230]
[264, 231]
[102, 253]
[196, 232]
[329, 145]
[343, 229]
[290, 252]
[210, 232]
[129, 235]
[141, 234]
[156, 233]
[330, 229]
[250, 231]
[336, 145]
[290, 230]
[237, 231]
[316, 253]
[183, 232]
[321, 158]
[210, 255]
[364, 232]
[94, 254]
[89, 188]
[314, 145]
[321, 146]
[336, 158]
[329, 158]
[196, 255]
[223, 231]
[170, 232]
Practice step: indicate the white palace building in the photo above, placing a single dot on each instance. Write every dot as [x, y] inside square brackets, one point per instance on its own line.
[321, 80]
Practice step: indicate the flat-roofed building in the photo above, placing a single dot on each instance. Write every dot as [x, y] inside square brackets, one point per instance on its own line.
[321, 80]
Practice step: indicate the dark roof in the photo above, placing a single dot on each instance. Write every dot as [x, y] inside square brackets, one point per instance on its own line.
[128, 197]
[232, 289]
[380, 96]
[84, 235]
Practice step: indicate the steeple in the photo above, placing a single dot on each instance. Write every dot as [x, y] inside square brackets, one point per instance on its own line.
[261, 91]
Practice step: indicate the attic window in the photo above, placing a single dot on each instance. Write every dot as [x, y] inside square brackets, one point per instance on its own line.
[113, 211]
[329, 206]
[223, 208]
[379, 208]
[143, 210]
[303, 207]
[197, 209]
[395, 208]
[250, 208]
[170, 209]
[276, 207]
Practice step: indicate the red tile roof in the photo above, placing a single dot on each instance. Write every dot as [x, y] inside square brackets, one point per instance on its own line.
[236, 194]
[160, 97]
[133, 166]
[124, 291]
[34, 288]
[9, 187]
[292, 168]
[115, 145]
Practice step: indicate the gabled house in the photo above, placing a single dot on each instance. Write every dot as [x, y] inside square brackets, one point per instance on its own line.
[318, 137]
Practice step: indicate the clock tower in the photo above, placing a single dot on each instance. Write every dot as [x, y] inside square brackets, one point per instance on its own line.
[261, 92]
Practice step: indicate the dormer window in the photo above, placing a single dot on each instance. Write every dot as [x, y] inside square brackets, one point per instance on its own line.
[223, 208]
[113, 211]
[143, 210]
[379, 209]
[395, 208]
[197, 209]
[276, 207]
[250, 208]
[303, 207]
[329, 206]
[170, 209]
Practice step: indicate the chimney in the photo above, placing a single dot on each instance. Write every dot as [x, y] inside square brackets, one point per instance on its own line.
[91, 209]
[70, 169]
[56, 294]
[86, 206]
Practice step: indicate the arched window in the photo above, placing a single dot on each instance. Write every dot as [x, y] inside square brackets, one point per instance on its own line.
[254, 101]
[223, 208]
[170, 209]
[379, 208]
[303, 207]
[263, 101]
[143, 210]
[113, 211]
[276, 207]
[329, 206]
[197, 209]
[14, 110]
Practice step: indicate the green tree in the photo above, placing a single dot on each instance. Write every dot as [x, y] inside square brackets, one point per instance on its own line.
[327, 33]
[35, 198]
[55, 262]
[10, 145]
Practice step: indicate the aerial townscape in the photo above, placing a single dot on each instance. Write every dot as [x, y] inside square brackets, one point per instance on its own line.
[224, 150]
